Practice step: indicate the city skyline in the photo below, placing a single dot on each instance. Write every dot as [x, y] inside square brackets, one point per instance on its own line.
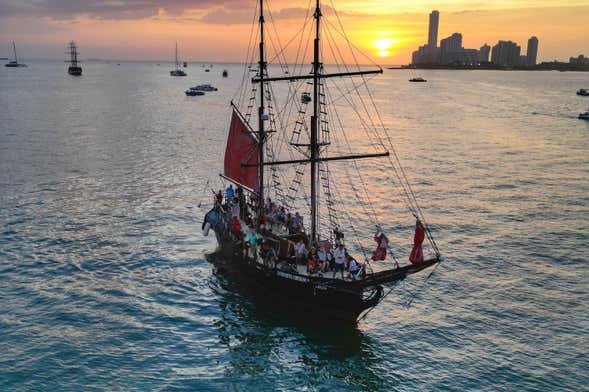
[216, 31]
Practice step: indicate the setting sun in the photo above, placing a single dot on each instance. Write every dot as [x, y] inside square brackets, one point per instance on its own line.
[383, 45]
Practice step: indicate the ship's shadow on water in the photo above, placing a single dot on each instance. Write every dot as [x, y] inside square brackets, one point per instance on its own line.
[242, 304]
[266, 340]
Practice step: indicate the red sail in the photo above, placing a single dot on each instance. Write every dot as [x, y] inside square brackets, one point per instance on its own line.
[417, 253]
[242, 148]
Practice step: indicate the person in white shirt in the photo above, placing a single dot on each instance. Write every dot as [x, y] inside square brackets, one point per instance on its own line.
[324, 258]
[340, 259]
[353, 267]
[300, 251]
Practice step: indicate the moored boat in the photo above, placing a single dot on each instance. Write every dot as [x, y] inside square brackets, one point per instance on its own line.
[190, 92]
[583, 92]
[312, 259]
[14, 63]
[418, 79]
[584, 116]
[177, 71]
[204, 87]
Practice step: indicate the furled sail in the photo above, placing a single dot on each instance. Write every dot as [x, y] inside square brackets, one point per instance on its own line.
[242, 148]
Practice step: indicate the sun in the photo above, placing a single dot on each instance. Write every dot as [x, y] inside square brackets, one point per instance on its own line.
[383, 45]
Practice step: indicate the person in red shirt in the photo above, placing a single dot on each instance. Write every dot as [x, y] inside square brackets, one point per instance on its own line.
[236, 227]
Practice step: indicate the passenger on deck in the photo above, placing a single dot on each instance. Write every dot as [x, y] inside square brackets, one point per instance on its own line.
[300, 251]
[340, 259]
[236, 227]
[353, 267]
[235, 208]
[267, 253]
[252, 239]
[312, 264]
[229, 193]
[339, 236]
[324, 259]
[298, 219]
[219, 198]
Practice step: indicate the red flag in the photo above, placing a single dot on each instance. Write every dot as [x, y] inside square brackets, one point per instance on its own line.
[417, 253]
[380, 253]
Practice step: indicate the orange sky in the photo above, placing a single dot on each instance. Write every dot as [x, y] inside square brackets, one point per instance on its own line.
[210, 30]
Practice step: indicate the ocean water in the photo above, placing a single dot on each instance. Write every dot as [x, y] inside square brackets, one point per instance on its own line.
[105, 283]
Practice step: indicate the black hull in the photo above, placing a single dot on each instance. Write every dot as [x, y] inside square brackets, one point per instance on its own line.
[75, 71]
[323, 302]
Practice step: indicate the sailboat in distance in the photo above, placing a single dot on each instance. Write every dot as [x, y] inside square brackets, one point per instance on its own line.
[14, 63]
[283, 223]
[177, 71]
[74, 68]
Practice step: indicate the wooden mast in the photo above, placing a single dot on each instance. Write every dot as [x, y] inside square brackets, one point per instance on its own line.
[261, 131]
[314, 145]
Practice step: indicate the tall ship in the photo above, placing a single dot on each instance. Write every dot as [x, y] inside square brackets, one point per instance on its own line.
[74, 67]
[296, 216]
[177, 71]
[14, 63]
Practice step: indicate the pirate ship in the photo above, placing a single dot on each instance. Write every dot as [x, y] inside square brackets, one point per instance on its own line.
[74, 68]
[279, 157]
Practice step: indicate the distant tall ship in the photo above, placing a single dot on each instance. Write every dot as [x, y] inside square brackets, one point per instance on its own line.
[177, 71]
[74, 68]
[14, 63]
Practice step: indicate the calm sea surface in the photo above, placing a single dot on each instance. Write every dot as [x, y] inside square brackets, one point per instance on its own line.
[104, 282]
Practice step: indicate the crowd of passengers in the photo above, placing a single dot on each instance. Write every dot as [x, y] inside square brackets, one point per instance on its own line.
[320, 260]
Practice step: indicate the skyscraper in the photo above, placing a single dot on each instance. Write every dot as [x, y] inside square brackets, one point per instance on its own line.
[505, 53]
[484, 53]
[434, 20]
[433, 56]
[532, 51]
[449, 45]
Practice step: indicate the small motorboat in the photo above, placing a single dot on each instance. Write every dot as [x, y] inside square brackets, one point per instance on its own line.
[204, 87]
[192, 93]
[584, 116]
[207, 70]
[225, 73]
[418, 79]
[583, 92]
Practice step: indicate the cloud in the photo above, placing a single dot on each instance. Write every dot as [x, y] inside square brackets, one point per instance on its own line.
[104, 9]
[229, 16]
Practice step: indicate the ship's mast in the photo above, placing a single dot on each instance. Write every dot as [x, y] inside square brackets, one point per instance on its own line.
[14, 50]
[73, 54]
[314, 145]
[261, 131]
[314, 159]
[176, 56]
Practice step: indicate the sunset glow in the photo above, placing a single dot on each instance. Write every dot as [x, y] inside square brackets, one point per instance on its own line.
[384, 45]
[219, 30]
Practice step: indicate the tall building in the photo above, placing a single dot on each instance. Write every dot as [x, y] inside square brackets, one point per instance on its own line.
[448, 46]
[532, 51]
[434, 21]
[484, 53]
[433, 55]
[506, 54]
